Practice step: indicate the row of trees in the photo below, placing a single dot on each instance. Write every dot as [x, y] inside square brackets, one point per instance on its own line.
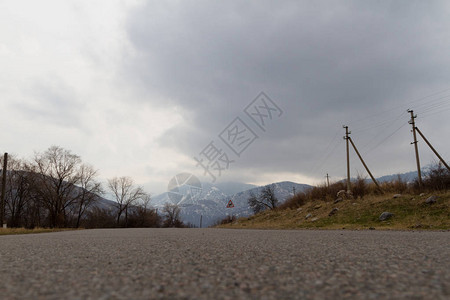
[56, 189]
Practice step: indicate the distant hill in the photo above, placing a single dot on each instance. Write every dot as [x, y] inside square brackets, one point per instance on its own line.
[406, 177]
[230, 188]
[212, 201]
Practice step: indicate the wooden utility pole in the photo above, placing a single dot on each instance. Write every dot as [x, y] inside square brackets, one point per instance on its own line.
[432, 148]
[364, 164]
[412, 122]
[346, 137]
[2, 206]
[328, 180]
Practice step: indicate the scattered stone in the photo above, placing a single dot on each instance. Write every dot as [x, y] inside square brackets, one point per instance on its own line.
[422, 194]
[354, 203]
[431, 200]
[341, 194]
[314, 219]
[308, 216]
[338, 200]
[385, 216]
[333, 211]
[371, 228]
[397, 196]
[299, 209]
[344, 194]
[317, 206]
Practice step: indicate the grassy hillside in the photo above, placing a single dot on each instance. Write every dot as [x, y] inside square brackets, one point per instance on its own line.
[410, 212]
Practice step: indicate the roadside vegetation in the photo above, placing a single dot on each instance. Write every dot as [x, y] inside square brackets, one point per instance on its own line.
[10, 231]
[410, 206]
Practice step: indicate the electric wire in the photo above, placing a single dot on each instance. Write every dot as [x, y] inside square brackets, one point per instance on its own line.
[325, 151]
[386, 138]
[425, 106]
[324, 161]
[425, 115]
[380, 133]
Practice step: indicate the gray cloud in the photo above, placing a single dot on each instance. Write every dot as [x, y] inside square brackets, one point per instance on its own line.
[325, 63]
[52, 101]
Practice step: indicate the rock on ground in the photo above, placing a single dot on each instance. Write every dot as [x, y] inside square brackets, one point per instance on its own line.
[386, 216]
[431, 200]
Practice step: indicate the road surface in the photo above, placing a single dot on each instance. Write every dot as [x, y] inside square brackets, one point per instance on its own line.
[225, 264]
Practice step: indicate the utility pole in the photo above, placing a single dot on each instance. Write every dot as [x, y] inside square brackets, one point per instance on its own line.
[346, 137]
[364, 164]
[412, 122]
[432, 148]
[2, 206]
[201, 219]
[328, 180]
[293, 190]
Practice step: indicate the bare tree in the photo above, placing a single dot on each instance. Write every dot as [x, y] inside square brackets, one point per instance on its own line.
[89, 191]
[254, 204]
[172, 216]
[17, 194]
[56, 176]
[265, 200]
[126, 194]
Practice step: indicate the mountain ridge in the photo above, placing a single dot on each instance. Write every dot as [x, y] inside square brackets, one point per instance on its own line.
[211, 204]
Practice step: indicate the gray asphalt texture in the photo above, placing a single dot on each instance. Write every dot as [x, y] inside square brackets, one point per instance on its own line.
[225, 264]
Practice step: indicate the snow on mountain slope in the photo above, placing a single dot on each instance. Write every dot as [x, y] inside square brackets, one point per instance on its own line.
[211, 203]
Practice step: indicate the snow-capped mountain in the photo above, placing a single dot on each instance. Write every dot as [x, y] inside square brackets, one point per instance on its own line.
[210, 203]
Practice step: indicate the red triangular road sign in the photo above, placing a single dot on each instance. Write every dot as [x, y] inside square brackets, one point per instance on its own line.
[230, 204]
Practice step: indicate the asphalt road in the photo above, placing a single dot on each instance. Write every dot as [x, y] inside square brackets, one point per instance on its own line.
[225, 264]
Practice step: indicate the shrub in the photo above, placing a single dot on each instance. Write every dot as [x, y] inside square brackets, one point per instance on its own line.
[395, 186]
[100, 218]
[227, 220]
[296, 201]
[360, 187]
[437, 178]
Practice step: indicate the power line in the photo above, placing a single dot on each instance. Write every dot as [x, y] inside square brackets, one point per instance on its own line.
[373, 139]
[325, 152]
[435, 108]
[322, 163]
[382, 124]
[434, 112]
[437, 104]
[430, 103]
[385, 139]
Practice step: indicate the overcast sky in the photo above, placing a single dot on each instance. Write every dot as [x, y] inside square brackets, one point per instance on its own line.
[142, 88]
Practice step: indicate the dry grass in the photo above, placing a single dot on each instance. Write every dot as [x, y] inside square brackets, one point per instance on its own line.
[9, 231]
[410, 212]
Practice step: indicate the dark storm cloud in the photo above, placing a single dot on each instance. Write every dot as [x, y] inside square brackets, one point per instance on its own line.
[326, 63]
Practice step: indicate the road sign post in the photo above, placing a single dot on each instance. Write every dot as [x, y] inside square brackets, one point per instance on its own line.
[231, 205]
